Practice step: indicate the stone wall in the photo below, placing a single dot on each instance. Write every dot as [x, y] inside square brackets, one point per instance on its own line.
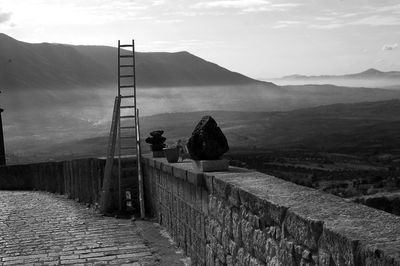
[78, 179]
[242, 217]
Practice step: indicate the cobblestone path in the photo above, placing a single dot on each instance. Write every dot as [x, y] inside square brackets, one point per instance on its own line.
[38, 228]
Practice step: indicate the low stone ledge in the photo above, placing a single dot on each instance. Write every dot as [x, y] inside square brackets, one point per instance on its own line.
[304, 224]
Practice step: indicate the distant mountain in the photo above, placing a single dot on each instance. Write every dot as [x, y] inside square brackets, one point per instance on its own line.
[371, 78]
[45, 65]
[369, 73]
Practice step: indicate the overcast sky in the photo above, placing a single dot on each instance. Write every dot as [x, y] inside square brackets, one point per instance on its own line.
[259, 38]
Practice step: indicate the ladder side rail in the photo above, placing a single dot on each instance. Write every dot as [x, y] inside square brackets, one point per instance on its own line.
[134, 73]
[119, 164]
[119, 68]
[119, 129]
[105, 202]
[139, 167]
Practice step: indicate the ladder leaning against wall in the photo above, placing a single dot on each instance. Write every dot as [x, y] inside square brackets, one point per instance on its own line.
[124, 137]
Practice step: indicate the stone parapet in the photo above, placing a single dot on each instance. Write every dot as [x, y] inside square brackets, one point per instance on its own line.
[243, 217]
[79, 179]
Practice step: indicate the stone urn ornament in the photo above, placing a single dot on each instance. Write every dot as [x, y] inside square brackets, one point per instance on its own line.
[172, 154]
[157, 143]
[207, 145]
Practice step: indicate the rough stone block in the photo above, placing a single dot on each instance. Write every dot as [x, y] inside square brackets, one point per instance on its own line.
[271, 250]
[237, 227]
[221, 253]
[234, 198]
[286, 253]
[255, 221]
[306, 254]
[213, 230]
[195, 178]
[249, 200]
[340, 247]
[210, 256]
[324, 258]
[259, 242]
[218, 232]
[213, 245]
[220, 212]
[255, 262]
[208, 183]
[315, 259]
[247, 236]
[225, 240]
[271, 214]
[179, 173]
[298, 249]
[229, 260]
[166, 168]
[233, 249]
[210, 165]
[158, 164]
[278, 233]
[221, 188]
[243, 258]
[228, 221]
[212, 205]
[303, 230]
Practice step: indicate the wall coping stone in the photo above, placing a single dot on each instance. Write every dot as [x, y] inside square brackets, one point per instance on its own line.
[363, 232]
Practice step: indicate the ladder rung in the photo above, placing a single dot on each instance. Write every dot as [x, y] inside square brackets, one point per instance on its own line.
[125, 56]
[127, 127]
[126, 76]
[127, 106]
[129, 137]
[126, 65]
[127, 86]
[129, 169]
[127, 96]
[127, 116]
[128, 148]
[125, 45]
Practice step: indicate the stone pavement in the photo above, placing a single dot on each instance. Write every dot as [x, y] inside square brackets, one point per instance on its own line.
[38, 228]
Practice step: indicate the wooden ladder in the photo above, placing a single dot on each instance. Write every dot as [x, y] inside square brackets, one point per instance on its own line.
[124, 133]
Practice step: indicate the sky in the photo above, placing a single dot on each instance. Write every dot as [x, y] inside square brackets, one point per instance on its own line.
[259, 38]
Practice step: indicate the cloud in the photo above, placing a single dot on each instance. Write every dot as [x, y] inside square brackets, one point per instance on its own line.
[390, 47]
[232, 4]
[168, 21]
[4, 17]
[378, 20]
[393, 9]
[327, 26]
[246, 5]
[285, 23]
[372, 20]
[158, 2]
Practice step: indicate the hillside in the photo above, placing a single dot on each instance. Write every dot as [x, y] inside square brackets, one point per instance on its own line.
[350, 128]
[45, 65]
[360, 128]
[370, 78]
[160, 69]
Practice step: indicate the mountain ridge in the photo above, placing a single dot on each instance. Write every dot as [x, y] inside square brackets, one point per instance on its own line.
[371, 72]
[49, 65]
[369, 78]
